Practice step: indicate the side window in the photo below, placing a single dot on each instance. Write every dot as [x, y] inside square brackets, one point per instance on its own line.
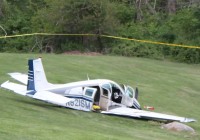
[108, 87]
[105, 92]
[90, 92]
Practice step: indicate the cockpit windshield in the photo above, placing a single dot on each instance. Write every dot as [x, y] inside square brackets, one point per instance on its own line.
[130, 92]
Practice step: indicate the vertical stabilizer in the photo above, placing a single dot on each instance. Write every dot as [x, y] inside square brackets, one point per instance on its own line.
[30, 83]
[36, 76]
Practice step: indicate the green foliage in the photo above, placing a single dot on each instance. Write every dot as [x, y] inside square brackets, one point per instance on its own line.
[138, 50]
[125, 13]
[147, 20]
[186, 55]
[180, 28]
[17, 20]
[74, 16]
[18, 45]
[71, 46]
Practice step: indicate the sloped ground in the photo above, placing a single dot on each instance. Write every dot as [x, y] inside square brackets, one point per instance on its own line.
[171, 88]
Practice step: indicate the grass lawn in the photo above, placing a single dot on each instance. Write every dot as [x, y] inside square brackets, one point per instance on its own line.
[172, 88]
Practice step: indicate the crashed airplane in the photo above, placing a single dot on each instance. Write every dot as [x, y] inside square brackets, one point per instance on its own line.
[103, 95]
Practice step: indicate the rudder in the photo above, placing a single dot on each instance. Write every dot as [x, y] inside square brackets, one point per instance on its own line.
[36, 75]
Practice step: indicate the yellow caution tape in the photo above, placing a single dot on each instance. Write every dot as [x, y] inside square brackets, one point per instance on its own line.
[151, 42]
[106, 36]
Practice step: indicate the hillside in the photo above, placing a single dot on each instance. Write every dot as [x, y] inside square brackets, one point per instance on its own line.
[172, 88]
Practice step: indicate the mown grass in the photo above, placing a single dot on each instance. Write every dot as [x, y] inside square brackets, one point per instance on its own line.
[172, 88]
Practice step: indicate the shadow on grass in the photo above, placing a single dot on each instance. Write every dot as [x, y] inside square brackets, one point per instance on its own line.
[27, 103]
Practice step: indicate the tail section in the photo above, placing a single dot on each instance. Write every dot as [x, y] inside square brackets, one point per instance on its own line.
[30, 83]
[36, 76]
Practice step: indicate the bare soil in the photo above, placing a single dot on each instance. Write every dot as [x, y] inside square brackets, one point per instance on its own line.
[82, 53]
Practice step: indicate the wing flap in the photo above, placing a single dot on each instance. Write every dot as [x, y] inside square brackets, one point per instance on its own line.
[52, 98]
[17, 88]
[129, 112]
[23, 78]
[122, 111]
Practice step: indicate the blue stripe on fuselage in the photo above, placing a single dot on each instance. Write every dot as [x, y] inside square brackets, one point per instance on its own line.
[31, 84]
[80, 97]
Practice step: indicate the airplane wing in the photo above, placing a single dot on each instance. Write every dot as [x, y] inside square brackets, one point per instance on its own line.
[41, 95]
[135, 113]
[51, 97]
[23, 78]
[17, 88]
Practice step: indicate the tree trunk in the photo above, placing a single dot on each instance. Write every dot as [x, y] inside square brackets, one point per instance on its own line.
[1, 5]
[171, 6]
[138, 10]
[151, 9]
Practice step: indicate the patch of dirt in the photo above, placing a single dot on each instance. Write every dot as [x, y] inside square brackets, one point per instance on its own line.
[82, 53]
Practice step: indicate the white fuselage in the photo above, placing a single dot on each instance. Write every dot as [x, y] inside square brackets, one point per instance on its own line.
[82, 101]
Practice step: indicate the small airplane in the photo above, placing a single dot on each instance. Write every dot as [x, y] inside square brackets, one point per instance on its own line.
[103, 95]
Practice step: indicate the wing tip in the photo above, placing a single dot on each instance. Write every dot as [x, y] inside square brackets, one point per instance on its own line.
[2, 85]
[189, 120]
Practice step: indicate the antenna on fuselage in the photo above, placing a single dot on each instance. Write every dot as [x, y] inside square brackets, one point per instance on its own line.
[88, 77]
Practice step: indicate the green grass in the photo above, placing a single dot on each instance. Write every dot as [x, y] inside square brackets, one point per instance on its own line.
[172, 88]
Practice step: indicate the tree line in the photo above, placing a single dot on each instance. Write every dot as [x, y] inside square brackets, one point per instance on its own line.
[170, 21]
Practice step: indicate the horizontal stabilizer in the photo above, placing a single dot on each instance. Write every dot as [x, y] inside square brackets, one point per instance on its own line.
[129, 112]
[23, 78]
[17, 88]
[52, 98]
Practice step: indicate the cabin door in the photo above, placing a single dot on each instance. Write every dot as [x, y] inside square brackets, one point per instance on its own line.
[105, 97]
